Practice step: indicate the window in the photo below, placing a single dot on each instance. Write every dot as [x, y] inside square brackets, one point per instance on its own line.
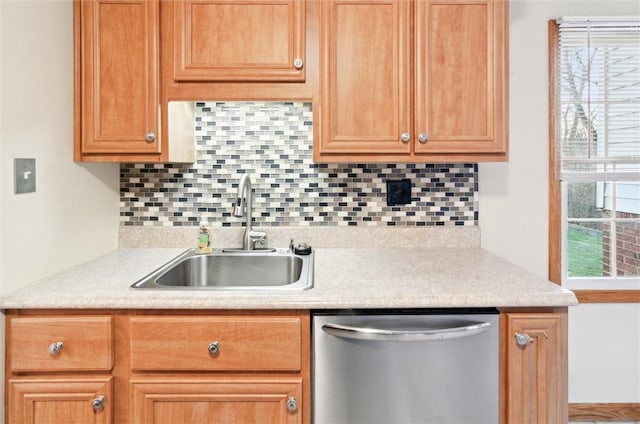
[595, 154]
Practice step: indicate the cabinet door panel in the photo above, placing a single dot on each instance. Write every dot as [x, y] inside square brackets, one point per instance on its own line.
[459, 76]
[365, 76]
[175, 400]
[59, 400]
[254, 40]
[536, 376]
[119, 76]
[458, 60]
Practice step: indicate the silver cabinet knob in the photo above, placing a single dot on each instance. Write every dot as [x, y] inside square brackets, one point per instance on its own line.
[55, 348]
[292, 404]
[522, 339]
[98, 403]
[405, 137]
[150, 137]
[422, 138]
[214, 348]
[298, 63]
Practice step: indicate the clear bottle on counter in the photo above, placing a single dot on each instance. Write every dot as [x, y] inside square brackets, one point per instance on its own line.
[204, 238]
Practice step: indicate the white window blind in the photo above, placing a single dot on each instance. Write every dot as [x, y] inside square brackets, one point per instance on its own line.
[599, 97]
[598, 121]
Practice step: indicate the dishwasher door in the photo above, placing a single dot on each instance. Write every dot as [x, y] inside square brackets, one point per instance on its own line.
[405, 368]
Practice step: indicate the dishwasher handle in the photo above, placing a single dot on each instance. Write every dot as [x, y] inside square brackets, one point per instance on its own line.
[401, 335]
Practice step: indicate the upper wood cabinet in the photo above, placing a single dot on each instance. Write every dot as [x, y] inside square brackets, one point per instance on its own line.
[413, 81]
[119, 77]
[248, 40]
[366, 77]
[116, 71]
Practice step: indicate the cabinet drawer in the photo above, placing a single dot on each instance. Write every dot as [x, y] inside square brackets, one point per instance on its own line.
[84, 343]
[241, 344]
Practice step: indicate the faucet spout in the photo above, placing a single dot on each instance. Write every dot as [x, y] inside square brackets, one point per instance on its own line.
[243, 207]
[244, 199]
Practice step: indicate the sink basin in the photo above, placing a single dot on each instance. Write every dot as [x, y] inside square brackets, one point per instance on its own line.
[233, 270]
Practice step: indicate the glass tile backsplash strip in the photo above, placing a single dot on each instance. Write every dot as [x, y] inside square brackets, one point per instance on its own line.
[272, 141]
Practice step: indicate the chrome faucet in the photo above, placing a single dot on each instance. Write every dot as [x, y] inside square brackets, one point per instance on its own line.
[243, 208]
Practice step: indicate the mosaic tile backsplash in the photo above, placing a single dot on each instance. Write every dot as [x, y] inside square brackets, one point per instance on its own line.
[272, 142]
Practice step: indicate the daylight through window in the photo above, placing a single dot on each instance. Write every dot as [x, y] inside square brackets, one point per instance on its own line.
[599, 135]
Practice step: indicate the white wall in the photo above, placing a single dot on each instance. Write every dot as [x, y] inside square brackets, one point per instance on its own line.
[2, 178]
[73, 215]
[514, 204]
[2, 323]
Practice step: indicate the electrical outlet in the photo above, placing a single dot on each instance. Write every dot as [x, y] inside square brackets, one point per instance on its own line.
[25, 175]
[398, 192]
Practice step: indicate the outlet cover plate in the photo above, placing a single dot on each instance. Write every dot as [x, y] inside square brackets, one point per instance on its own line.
[25, 175]
[398, 192]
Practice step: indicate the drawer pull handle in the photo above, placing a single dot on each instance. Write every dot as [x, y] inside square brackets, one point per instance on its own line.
[98, 403]
[292, 404]
[214, 348]
[55, 348]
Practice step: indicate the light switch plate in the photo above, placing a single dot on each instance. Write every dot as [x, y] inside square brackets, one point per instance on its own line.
[25, 175]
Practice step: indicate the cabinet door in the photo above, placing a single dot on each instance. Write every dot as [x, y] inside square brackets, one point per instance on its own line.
[231, 40]
[60, 400]
[176, 400]
[119, 77]
[536, 368]
[365, 77]
[461, 76]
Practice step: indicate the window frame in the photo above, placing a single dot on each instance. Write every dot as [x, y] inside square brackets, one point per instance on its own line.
[556, 215]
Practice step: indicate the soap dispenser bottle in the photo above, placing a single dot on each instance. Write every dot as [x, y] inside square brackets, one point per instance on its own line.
[204, 238]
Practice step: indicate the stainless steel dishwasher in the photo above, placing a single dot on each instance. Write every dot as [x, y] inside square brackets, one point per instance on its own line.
[405, 367]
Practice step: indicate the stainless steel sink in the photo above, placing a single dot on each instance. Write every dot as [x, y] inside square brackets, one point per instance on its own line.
[233, 270]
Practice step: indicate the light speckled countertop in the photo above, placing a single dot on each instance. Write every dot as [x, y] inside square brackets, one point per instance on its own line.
[343, 278]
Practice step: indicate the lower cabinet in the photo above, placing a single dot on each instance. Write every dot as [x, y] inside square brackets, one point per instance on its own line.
[59, 368]
[534, 386]
[74, 366]
[225, 368]
[54, 400]
[221, 400]
[82, 367]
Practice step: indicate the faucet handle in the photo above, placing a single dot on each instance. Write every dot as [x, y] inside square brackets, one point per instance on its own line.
[291, 245]
[258, 238]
